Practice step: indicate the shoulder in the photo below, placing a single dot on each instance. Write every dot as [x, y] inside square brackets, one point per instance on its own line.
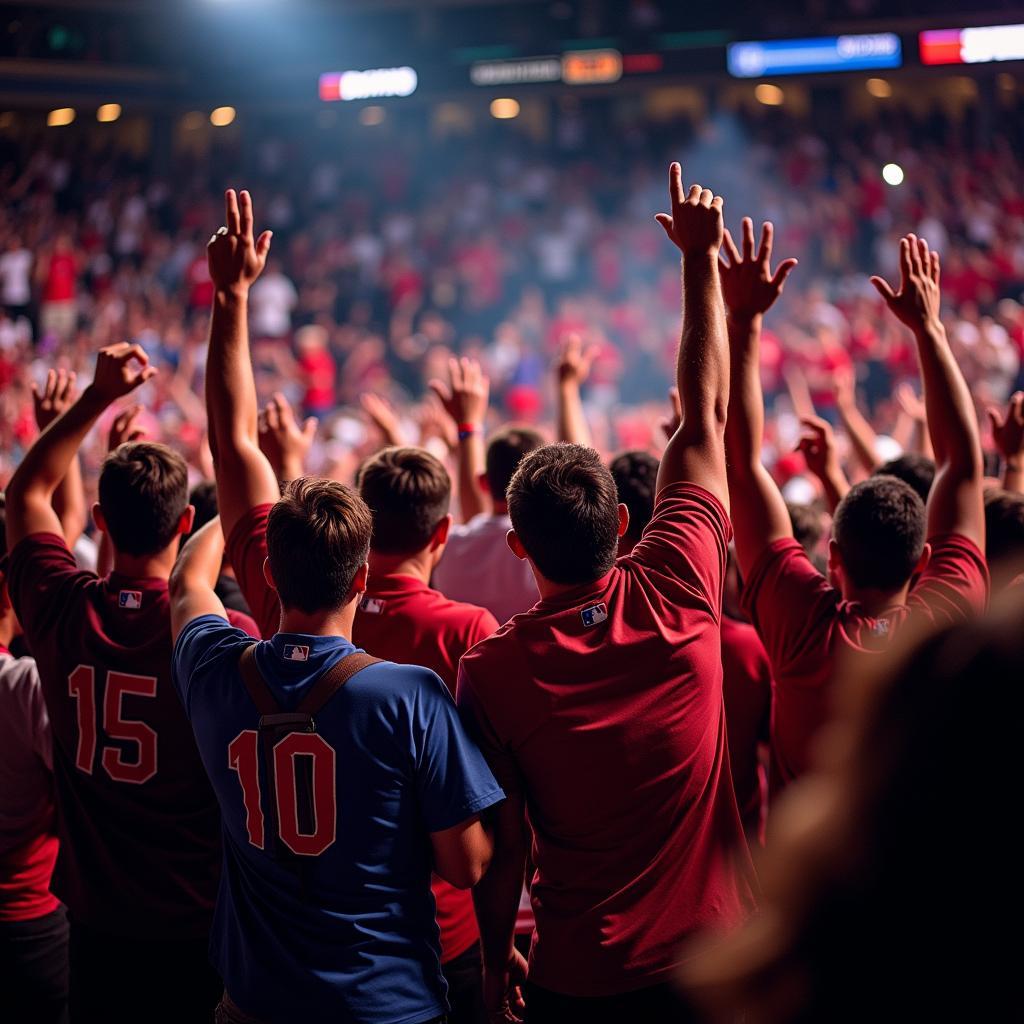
[44, 553]
[470, 620]
[239, 620]
[206, 638]
[18, 673]
[494, 658]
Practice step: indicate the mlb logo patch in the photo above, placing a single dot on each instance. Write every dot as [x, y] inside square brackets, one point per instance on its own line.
[130, 599]
[594, 615]
[880, 627]
[373, 605]
[296, 652]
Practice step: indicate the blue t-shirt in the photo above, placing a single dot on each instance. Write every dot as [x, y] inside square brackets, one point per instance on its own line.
[350, 936]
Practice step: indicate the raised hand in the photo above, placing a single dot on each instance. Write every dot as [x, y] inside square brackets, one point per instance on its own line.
[1008, 428]
[285, 444]
[434, 422]
[383, 416]
[818, 445]
[844, 386]
[695, 224]
[748, 285]
[918, 301]
[123, 428]
[575, 360]
[909, 402]
[465, 395]
[235, 257]
[55, 397]
[120, 369]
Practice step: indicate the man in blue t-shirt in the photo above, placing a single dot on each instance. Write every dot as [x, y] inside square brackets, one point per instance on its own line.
[342, 781]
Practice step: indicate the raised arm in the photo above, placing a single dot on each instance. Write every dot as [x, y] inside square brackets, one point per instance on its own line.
[119, 370]
[571, 370]
[285, 444]
[863, 439]
[194, 577]
[464, 398]
[54, 399]
[818, 445]
[696, 451]
[750, 289]
[1008, 435]
[955, 504]
[244, 477]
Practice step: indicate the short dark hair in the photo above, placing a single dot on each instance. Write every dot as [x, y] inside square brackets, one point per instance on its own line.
[203, 498]
[143, 493]
[916, 470]
[564, 508]
[880, 530]
[318, 536]
[636, 477]
[408, 491]
[505, 450]
[808, 528]
[1004, 526]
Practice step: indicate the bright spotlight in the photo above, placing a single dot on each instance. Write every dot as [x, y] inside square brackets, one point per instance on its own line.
[769, 95]
[60, 117]
[879, 88]
[108, 112]
[892, 174]
[504, 108]
[222, 116]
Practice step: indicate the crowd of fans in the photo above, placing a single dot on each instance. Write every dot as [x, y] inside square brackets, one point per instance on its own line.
[693, 674]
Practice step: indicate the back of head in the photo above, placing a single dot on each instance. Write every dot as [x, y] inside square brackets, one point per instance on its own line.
[916, 470]
[203, 498]
[143, 492]
[408, 491]
[880, 528]
[318, 536]
[1004, 529]
[564, 509]
[808, 528]
[505, 450]
[636, 477]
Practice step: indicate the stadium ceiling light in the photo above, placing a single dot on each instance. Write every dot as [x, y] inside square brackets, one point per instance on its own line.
[879, 88]
[222, 116]
[892, 174]
[108, 112]
[769, 95]
[504, 108]
[60, 117]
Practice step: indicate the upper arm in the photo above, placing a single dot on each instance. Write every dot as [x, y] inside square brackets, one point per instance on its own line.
[956, 505]
[247, 551]
[954, 584]
[192, 602]
[687, 539]
[462, 853]
[759, 515]
[199, 643]
[696, 456]
[27, 511]
[40, 576]
[245, 479]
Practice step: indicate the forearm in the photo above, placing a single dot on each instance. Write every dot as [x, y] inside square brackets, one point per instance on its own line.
[291, 468]
[231, 405]
[69, 503]
[496, 898]
[702, 367]
[835, 486]
[862, 437]
[1013, 474]
[471, 462]
[952, 423]
[572, 423]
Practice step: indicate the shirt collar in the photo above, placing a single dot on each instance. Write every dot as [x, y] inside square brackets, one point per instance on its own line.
[395, 583]
[575, 595]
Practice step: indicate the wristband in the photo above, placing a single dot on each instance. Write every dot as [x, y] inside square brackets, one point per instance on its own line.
[466, 430]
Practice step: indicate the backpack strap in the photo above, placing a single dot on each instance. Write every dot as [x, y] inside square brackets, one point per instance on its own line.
[256, 684]
[333, 680]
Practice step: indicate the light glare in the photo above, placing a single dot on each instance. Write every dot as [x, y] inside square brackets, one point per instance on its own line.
[504, 108]
[108, 112]
[892, 174]
[222, 116]
[60, 117]
[769, 95]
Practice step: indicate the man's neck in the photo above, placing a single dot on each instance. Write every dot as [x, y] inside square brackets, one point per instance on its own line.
[419, 566]
[146, 567]
[334, 623]
[874, 602]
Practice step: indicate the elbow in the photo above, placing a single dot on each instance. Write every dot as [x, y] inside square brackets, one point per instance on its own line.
[467, 874]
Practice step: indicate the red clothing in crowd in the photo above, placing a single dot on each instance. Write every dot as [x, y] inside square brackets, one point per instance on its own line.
[402, 619]
[603, 708]
[60, 278]
[138, 822]
[747, 685]
[808, 630]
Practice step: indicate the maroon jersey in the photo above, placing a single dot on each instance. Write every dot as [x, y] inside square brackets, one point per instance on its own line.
[138, 822]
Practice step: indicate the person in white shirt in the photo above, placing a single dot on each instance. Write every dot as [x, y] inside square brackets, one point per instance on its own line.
[16, 278]
[271, 301]
[477, 564]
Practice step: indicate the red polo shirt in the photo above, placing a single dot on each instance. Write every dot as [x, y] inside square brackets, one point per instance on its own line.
[603, 707]
[808, 629]
[402, 619]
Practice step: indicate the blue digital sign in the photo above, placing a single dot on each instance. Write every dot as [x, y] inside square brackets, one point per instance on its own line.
[803, 56]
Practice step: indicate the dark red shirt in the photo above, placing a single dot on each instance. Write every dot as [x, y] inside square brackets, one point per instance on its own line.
[603, 707]
[808, 630]
[747, 684]
[402, 619]
[138, 822]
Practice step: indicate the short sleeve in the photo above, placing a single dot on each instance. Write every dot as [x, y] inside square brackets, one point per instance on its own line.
[204, 641]
[247, 551]
[791, 605]
[688, 539]
[479, 726]
[484, 625]
[453, 780]
[954, 584]
[41, 577]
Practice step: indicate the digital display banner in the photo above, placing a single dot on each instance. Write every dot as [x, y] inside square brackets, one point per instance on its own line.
[367, 85]
[972, 45]
[807, 56]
